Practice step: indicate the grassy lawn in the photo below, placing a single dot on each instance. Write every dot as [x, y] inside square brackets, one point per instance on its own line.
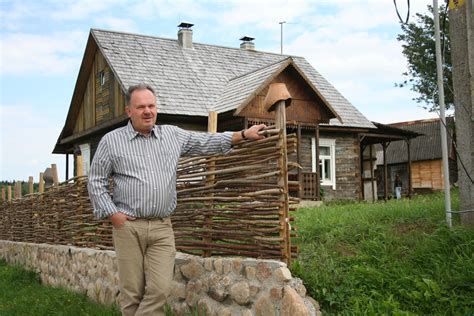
[386, 258]
[22, 294]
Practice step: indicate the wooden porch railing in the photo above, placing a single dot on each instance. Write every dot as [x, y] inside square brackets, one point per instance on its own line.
[309, 185]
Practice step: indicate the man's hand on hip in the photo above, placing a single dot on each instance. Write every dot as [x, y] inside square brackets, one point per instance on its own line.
[118, 219]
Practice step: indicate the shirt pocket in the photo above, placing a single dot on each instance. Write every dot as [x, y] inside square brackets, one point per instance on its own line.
[131, 164]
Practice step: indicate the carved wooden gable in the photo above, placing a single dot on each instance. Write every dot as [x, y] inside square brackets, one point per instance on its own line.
[306, 105]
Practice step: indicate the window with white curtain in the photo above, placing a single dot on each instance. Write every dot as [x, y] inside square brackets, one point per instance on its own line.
[327, 160]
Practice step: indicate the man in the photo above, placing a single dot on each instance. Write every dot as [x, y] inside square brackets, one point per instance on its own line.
[142, 158]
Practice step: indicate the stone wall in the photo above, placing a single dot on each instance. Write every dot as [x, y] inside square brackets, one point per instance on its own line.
[218, 286]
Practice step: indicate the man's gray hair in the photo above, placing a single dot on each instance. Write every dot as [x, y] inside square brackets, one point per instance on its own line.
[140, 86]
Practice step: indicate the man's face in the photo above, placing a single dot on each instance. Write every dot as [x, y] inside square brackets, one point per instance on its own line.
[142, 110]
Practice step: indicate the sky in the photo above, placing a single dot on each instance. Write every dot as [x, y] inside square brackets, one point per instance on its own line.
[351, 43]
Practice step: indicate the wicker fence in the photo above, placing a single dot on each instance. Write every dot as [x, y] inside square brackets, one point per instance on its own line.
[227, 205]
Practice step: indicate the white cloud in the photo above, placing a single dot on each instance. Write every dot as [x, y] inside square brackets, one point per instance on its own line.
[58, 53]
[355, 55]
[394, 115]
[27, 140]
[179, 9]
[11, 14]
[82, 9]
[262, 14]
[117, 24]
[357, 16]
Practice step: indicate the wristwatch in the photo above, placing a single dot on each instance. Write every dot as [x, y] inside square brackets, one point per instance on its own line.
[242, 133]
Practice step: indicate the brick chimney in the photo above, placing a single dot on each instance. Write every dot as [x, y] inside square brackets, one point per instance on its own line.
[185, 35]
[247, 43]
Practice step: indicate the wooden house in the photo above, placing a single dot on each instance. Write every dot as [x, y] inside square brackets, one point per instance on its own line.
[425, 155]
[192, 79]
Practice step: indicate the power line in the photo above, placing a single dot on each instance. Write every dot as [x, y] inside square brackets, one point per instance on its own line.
[398, 13]
[453, 139]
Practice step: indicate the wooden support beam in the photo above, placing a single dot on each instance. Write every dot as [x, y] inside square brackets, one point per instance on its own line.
[280, 123]
[79, 170]
[67, 167]
[18, 190]
[212, 122]
[298, 160]
[318, 172]
[371, 162]
[54, 170]
[30, 185]
[41, 182]
[410, 185]
[9, 193]
[385, 172]
[3, 194]
[361, 162]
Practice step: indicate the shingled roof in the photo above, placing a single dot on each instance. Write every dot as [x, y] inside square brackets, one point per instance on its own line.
[424, 147]
[206, 77]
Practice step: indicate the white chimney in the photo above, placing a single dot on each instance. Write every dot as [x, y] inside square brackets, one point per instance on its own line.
[247, 43]
[185, 35]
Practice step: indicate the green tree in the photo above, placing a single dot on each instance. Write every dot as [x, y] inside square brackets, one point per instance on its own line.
[419, 49]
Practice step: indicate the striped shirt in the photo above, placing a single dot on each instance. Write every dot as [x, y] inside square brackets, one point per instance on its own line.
[144, 168]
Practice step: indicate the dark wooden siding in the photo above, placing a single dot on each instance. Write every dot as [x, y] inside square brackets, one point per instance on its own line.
[101, 102]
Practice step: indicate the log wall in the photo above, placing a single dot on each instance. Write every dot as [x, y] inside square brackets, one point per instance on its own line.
[103, 101]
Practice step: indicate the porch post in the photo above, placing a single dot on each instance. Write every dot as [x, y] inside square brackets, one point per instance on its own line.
[318, 175]
[298, 160]
[371, 163]
[385, 173]
[410, 186]
[67, 166]
[361, 162]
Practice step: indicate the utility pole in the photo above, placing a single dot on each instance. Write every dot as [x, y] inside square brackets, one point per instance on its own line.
[461, 30]
[281, 36]
[442, 108]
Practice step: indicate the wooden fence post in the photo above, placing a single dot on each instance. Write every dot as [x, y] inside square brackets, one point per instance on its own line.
[275, 100]
[41, 183]
[9, 193]
[280, 123]
[54, 170]
[211, 128]
[79, 171]
[30, 185]
[17, 189]
[3, 194]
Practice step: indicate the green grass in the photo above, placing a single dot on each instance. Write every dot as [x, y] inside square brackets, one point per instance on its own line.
[396, 258]
[21, 293]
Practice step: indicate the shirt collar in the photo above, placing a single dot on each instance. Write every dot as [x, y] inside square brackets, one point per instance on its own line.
[132, 133]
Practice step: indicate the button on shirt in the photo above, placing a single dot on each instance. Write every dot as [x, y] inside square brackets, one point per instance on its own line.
[144, 168]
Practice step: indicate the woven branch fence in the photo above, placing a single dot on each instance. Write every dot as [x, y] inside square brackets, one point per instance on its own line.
[227, 205]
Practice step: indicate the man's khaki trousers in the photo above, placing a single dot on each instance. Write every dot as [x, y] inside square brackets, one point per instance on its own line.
[145, 255]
